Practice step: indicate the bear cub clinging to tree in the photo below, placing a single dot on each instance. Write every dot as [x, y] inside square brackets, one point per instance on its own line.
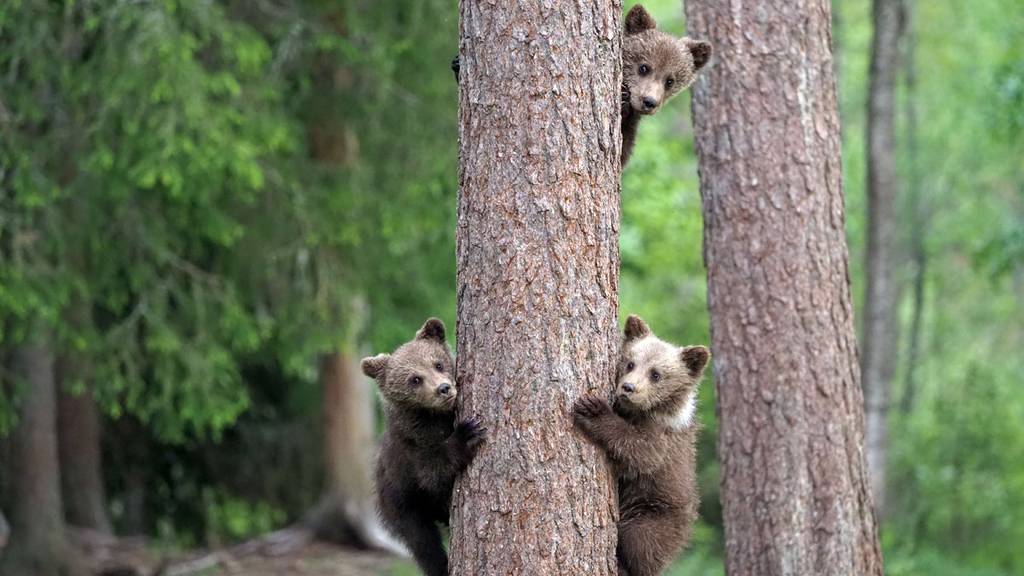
[655, 67]
[650, 437]
[423, 449]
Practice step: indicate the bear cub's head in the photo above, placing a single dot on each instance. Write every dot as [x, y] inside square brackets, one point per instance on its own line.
[419, 374]
[656, 378]
[656, 66]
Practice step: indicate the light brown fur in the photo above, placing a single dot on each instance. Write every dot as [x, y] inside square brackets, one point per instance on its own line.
[650, 437]
[655, 67]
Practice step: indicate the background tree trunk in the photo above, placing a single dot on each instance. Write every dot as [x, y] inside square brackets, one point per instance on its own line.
[347, 512]
[878, 336]
[795, 490]
[918, 210]
[78, 437]
[38, 544]
[538, 273]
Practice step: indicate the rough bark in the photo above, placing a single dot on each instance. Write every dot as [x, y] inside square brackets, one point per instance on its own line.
[794, 485]
[38, 544]
[78, 437]
[538, 274]
[347, 511]
[878, 335]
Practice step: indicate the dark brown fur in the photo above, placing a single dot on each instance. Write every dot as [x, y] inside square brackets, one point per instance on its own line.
[650, 437]
[423, 449]
[655, 67]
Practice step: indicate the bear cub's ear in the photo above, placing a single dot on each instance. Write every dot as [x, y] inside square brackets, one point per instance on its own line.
[701, 52]
[638, 20]
[433, 329]
[695, 358]
[636, 328]
[374, 365]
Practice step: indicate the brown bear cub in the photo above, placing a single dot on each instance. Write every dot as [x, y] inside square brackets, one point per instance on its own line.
[650, 437]
[655, 67]
[423, 448]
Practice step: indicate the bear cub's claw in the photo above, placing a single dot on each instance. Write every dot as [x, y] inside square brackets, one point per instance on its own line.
[589, 407]
[470, 432]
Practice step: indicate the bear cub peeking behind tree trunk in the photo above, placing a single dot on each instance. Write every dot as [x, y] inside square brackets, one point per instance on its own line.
[655, 67]
[423, 449]
[650, 438]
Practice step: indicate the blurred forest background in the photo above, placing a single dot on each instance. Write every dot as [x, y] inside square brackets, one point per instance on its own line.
[210, 210]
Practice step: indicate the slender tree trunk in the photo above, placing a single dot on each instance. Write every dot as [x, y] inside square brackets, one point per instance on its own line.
[918, 210]
[38, 544]
[878, 336]
[795, 492]
[538, 275]
[78, 437]
[347, 512]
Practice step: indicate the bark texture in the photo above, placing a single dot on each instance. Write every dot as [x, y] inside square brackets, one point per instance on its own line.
[878, 336]
[78, 436]
[37, 545]
[795, 491]
[538, 275]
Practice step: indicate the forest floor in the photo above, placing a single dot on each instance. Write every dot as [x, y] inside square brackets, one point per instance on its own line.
[109, 556]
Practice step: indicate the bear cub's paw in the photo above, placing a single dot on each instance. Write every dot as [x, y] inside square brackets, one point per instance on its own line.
[589, 407]
[470, 433]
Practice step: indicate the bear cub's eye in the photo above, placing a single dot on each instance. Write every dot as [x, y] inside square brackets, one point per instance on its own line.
[415, 380]
[669, 82]
[439, 367]
[655, 375]
[644, 70]
[629, 366]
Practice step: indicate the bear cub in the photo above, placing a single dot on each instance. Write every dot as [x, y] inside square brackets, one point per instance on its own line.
[423, 449]
[650, 438]
[655, 67]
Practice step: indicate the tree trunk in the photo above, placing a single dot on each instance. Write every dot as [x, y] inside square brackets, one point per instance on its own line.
[878, 336]
[918, 210]
[538, 275]
[347, 512]
[795, 491]
[38, 544]
[78, 436]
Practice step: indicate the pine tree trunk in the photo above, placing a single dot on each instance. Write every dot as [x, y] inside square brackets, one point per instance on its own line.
[37, 545]
[879, 342]
[347, 513]
[795, 490]
[538, 274]
[78, 436]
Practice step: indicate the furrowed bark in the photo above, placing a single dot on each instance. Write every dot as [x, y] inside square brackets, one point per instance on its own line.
[795, 492]
[538, 272]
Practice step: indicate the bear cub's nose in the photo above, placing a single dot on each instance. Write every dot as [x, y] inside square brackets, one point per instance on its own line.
[444, 389]
[649, 103]
[628, 388]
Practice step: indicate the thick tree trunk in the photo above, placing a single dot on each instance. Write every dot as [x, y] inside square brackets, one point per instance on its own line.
[78, 435]
[38, 544]
[347, 512]
[878, 336]
[538, 275]
[795, 491]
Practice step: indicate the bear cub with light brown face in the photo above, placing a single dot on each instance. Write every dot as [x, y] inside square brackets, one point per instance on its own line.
[650, 437]
[655, 67]
[423, 449]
